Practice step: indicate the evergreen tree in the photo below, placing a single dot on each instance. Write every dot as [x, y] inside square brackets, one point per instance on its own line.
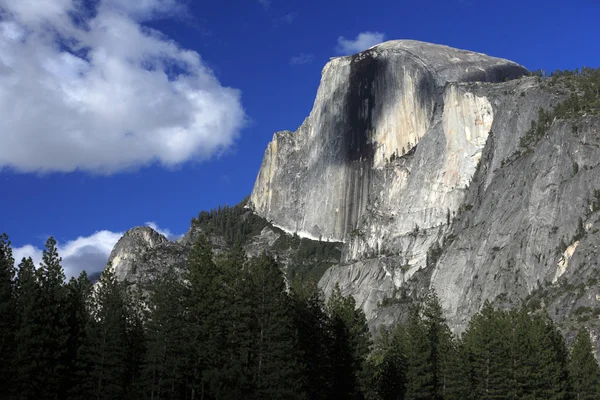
[388, 365]
[275, 362]
[166, 368]
[539, 358]
[8, 317]
[235, 378]
[78, 299]
[419, 372]
[53, 322]
[104, 354]
[29, 376]
[440, 344]
[488, 345]
[314, 339]
[351, 343]
[205, 326]
[457, 379]
[584, 370]
[136, 312]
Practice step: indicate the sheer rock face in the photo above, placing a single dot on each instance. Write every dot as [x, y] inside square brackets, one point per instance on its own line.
[384, 159]
[397, 154]
[371, 108]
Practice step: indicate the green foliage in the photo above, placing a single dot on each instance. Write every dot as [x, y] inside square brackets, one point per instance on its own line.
[583, 87]
[276, 370]
[104, 358]
[231, 329]
[315, 339]
[351, 343]
[433, 255]
[236, 224]
[487, 343]
[584, 371]
[310, 258]
[537, 130]
[166, 367]
[388, 364]
[8, 315]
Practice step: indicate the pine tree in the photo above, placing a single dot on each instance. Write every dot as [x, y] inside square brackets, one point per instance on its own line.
[388, 365]
[457, 384]
[419, 373]
[314, 339]
[205, 326]
[275, 360]
[53, 321]
[539, 358]
[78, 299]
[29, 376]
[351, 343]
[104, 363]
[488, 345]
[235, 377]
[135, 300]
[165, 369]
[8, 317]
[440, 344]
[583, 369]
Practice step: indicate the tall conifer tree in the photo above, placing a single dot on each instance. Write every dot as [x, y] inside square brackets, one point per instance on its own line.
[53, 321]
[351, 344]
[275, 358]
[584, 370]
[28, 382]
[8, 317]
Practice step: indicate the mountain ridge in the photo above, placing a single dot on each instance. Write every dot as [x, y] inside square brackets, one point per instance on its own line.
[467, 175]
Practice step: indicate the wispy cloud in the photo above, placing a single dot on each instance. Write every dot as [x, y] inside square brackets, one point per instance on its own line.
[286, 19]
[363, 41]
[302, 59]
[265, 3]
[105, 92]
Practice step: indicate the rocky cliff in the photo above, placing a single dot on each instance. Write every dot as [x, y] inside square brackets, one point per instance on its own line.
[419, 158]
[421, 166]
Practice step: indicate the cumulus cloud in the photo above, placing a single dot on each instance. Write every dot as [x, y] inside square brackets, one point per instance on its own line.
[97, 90]
[363, 41]
[88, 253]
[302, 59]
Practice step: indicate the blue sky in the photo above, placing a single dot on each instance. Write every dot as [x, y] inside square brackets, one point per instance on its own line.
[118, 113]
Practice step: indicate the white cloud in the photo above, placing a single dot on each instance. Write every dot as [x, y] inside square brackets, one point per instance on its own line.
[302, 59]
[88, 253]
[105, 93]
[363, 41]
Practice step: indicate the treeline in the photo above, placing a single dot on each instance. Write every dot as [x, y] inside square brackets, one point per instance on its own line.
[228, 328]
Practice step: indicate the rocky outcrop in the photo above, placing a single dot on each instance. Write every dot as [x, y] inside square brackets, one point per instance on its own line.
[372, 109]
[412, 156]
[142, 254]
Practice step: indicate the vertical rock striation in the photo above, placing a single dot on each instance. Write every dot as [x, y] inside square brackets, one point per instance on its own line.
[384, 159]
